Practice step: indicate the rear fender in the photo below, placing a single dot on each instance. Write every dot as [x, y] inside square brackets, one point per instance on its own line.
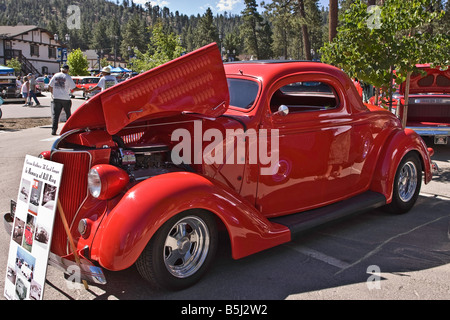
[401, 143]
[130, 225]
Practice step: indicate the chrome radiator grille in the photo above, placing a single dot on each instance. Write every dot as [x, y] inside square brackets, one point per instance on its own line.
[72, 193]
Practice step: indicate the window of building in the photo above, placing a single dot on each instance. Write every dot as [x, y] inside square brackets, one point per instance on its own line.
[51, 52]
[34, 50]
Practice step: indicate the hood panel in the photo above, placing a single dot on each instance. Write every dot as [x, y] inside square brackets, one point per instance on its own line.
[194, 83]
[435, 81]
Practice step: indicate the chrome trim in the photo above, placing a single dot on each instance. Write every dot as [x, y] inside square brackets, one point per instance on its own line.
[431, 131]
[407, 181]
[186, 247]
[68, 133]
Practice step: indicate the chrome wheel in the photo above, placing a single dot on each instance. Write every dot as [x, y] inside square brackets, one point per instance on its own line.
[186, 246]
[407, 181]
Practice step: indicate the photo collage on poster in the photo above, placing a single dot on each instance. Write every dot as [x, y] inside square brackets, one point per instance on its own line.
[32, 229]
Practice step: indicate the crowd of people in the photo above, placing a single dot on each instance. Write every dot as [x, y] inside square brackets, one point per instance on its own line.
[61, 86]
[28, 89]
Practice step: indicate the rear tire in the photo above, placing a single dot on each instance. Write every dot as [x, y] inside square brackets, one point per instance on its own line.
[180, 252]
[407, 184]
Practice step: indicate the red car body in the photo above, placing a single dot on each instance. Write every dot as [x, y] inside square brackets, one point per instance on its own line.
[337, 156]
[86, 82]
[429, 103]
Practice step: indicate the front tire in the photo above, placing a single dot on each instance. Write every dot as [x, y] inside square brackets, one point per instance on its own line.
[180, 252]
[407, 184]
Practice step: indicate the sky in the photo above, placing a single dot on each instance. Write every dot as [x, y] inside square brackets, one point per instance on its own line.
[195, 7]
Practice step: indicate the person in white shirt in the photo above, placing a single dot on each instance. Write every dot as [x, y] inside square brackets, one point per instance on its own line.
[106, 81]
[61, 85]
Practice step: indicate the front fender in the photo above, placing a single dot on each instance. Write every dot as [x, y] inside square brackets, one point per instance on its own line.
[395, 148]
[129, 226]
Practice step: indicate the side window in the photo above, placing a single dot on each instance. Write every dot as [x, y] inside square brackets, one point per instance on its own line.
[305, 97]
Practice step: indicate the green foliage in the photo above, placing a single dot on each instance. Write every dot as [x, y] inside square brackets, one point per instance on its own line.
[368, 49]
[78, 63]
[15, 64]
[264, 31]
[163, 47]
[206, 32]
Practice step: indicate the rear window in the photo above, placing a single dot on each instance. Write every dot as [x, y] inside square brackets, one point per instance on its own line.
[305, 97]
[243, 93]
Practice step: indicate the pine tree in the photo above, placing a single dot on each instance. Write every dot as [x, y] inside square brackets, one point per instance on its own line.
[249, 30]
[206, 32]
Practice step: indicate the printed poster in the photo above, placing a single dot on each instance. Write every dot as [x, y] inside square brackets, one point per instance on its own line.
[32, 229]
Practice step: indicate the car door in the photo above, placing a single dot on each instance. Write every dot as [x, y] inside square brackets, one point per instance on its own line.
[316, 155]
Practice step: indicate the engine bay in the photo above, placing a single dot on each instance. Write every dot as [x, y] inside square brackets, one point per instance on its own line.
[144, 161]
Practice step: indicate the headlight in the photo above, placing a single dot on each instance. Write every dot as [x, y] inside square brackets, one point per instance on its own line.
[106, 181]
[94, 183]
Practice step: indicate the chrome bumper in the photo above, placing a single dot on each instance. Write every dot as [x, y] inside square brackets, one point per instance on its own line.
[441, 134]
[87, 270]
[432, 131]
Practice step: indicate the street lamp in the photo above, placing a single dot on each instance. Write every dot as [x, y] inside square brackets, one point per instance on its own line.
[63, 56]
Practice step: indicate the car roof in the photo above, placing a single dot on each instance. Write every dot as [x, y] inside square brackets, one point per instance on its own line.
[272, 70]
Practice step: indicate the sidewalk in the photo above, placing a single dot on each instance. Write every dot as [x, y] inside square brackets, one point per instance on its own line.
[16, 110]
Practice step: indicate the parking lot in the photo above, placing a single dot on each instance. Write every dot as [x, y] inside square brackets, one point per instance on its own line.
[372, 256]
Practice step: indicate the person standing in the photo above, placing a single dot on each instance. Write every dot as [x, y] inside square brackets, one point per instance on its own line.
[61, 85]
[24, 91]
[32, 92]
[106, 81]
[46, 82]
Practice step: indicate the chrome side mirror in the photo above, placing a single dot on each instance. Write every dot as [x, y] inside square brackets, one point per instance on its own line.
[283, 110]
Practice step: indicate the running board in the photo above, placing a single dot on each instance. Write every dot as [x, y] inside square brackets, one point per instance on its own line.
[299, 223]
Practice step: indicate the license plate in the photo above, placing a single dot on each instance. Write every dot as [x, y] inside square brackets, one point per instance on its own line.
[440, 139]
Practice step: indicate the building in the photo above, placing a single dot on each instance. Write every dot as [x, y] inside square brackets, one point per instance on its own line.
[94, 57]
[33, 46]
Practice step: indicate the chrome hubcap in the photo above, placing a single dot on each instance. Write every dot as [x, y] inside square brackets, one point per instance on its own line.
[186, 246]
[407, 181]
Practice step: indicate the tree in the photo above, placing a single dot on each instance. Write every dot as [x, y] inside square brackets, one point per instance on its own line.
[134, 36]
[78, 63]
[163, 47]
[333, 19]
[250, 27]
[371, 44]
[100, 39]
[206, 31]
[15, 64]
[281, 14]
[306, 42]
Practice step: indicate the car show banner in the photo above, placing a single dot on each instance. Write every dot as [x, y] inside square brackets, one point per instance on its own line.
[32, 229]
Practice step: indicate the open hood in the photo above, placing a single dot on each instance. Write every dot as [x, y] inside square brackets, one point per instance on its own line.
[193, 83]
[435, 81]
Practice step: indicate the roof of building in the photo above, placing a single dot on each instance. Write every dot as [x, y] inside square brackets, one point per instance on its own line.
[12, 31]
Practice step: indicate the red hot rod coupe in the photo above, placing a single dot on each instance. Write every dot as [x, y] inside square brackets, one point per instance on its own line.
[154, 167]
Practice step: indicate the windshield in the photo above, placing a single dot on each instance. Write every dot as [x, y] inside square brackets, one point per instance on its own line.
[243, 93]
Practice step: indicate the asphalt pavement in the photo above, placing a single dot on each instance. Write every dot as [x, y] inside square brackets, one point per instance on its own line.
[17, 110]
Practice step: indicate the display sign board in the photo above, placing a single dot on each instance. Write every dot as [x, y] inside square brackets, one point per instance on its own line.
[32, 229]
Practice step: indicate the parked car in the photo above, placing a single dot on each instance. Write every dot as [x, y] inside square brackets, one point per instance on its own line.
[87, 83]
[157, 165]
[41, 85]
[429, 103]
[9, 91]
